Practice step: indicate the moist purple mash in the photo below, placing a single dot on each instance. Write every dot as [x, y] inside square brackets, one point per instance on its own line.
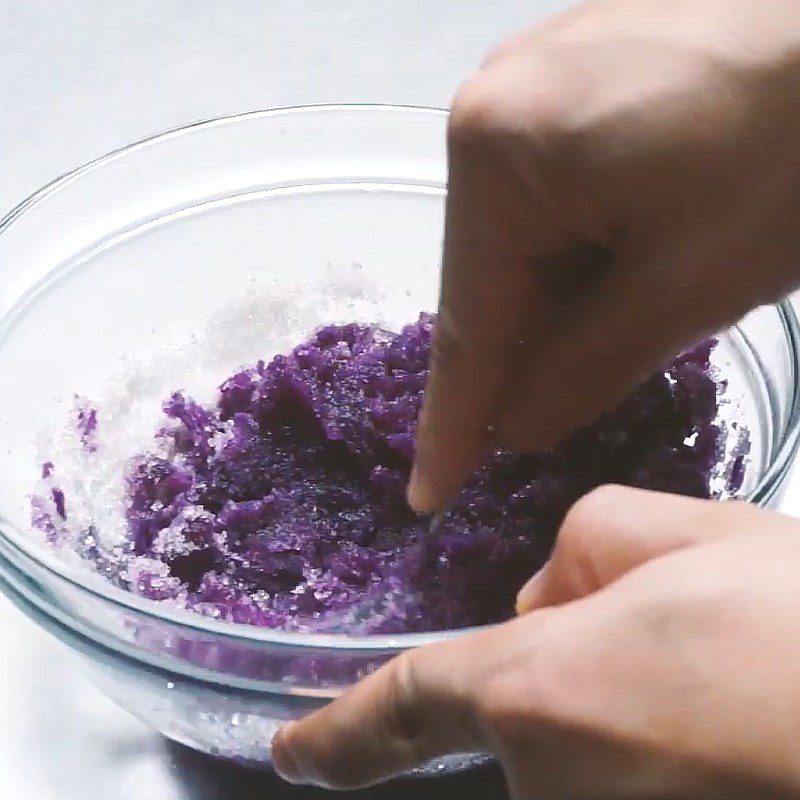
[283, 505]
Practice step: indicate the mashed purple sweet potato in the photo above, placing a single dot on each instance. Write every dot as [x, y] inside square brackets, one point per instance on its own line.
[283, 505]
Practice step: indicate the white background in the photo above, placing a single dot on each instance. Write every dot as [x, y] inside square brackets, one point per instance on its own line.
[80, 78]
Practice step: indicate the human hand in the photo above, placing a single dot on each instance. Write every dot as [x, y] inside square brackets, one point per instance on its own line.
[660, 662]
[623, 181]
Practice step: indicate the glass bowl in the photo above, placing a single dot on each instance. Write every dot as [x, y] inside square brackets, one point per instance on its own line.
[104, 263]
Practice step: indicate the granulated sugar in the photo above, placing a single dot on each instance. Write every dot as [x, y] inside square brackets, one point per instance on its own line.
[263, 318]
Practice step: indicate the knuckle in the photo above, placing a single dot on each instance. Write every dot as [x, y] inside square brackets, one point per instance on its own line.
[403, 727]
[519, 690]
[525, 118]
[459, 343]
[582, 528]
[510, 46]
[594, 505]
[538, 94]
[497, 53]
[449, 343]
[473, 112]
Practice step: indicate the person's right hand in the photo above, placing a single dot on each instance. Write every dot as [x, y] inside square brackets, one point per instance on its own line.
[656, 658]
[624, 179]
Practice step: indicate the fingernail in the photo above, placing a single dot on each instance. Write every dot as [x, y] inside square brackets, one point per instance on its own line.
[282, 758]
[529, 595]
[419, 494]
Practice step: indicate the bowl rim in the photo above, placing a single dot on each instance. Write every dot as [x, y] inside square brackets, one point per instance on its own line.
[58, 182]
[38, 559]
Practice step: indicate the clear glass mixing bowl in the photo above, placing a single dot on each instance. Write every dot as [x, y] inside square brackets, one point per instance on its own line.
[100, 264]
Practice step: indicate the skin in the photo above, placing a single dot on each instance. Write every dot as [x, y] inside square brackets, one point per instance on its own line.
[624, 179]
[656, 659]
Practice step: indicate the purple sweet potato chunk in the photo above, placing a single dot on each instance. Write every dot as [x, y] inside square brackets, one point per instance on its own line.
[283, 505]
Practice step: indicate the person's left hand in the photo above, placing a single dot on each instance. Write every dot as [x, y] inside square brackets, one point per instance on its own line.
[661, 661]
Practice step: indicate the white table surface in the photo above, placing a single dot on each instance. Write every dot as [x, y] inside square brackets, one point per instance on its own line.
[81, 77]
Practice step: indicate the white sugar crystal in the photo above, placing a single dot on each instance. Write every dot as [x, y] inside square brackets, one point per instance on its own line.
[257, 321]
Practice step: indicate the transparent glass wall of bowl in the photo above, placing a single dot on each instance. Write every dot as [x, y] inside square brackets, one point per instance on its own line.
[216, 693]
[759, 359]
[106, 262]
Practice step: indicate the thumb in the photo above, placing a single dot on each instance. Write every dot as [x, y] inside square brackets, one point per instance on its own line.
[614, 529]
[420, 705]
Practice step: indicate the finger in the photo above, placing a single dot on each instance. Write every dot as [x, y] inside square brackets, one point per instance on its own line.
[419, 706]
[607, 341]
[519, 43]
[615, 529]
[488, 302]
[522, 42]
